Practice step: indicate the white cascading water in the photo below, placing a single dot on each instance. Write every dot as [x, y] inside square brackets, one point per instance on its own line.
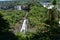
[50, 7]
[18, 7]
[24, 26]
[59, 22]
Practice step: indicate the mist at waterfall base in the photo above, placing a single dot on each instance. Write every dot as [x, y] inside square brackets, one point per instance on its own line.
[24, 26]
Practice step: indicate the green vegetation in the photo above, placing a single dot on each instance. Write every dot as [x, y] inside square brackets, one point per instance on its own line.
[12, 16]
[54, 2]
[44, 23]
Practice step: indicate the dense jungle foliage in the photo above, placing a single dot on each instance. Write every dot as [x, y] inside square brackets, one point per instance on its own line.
[43, 23]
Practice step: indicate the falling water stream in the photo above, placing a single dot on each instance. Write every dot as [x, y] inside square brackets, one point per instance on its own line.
[24, 26]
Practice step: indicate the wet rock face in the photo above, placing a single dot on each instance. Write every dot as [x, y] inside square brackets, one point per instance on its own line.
[26, 7]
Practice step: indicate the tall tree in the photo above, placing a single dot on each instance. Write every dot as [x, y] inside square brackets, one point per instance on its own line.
[54, 2]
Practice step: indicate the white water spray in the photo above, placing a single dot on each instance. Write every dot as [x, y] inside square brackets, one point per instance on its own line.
[24, 26]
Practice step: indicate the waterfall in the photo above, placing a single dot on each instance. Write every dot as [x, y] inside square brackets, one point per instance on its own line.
[24, 26]
[18, 7]
[50, 6]
[59, 22]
